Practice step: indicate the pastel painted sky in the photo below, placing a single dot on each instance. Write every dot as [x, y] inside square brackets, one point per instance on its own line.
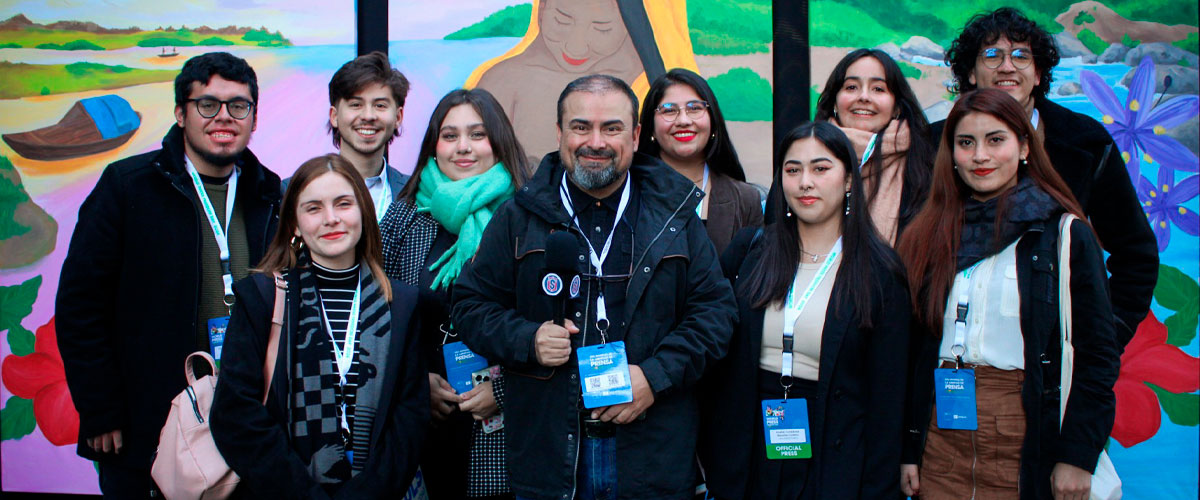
[424, 20]
[304, 22]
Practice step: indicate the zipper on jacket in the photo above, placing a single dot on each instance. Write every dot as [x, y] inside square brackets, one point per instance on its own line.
[663, 229]
[199, 251]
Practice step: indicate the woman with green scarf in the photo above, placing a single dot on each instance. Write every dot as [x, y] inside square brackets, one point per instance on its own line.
[469, 163]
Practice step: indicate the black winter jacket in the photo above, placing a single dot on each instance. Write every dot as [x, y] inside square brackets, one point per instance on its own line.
[1087, 159]
[1092, 405]
[255, 440]
[128, 295]
[679, 313]
[855, 418]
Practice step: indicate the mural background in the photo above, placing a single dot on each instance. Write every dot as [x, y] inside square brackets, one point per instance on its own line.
[53, 54]
[1118, 56]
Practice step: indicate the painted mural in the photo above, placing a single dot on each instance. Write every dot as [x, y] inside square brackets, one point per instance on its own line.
[525, 53]
[81, 87]
[1131, 65]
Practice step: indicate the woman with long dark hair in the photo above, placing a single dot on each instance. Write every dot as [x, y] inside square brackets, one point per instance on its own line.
[345, 411]
[983, 273]
[867, 96]
[823, 336]
[683, 125]
[469, 163]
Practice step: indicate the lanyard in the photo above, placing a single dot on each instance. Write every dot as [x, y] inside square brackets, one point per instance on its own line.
[385, 195]
[960, 321]
[345, 355]
[704, 189]
[218, 232]
[597, 259]
[793, 306]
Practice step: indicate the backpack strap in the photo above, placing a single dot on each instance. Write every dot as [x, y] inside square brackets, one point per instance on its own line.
[273, 340]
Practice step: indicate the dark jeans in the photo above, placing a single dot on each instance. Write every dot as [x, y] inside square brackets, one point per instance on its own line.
[597, 479]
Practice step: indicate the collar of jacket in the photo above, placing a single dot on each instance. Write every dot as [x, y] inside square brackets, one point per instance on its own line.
[663, 193]
[170, 162]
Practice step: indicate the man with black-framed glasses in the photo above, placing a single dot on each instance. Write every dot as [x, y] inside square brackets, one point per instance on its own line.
[147, 278]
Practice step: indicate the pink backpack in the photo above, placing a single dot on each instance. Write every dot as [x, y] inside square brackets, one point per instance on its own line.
[187, 464]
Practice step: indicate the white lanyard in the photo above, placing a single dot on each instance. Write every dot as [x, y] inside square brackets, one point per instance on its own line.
[793, 306]
[385, 196]
[345, 355]
[597, 259]
[218, 232]
[960, 321]
[703, 189]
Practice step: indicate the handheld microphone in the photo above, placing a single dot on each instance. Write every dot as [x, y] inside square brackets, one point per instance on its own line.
[561, 250]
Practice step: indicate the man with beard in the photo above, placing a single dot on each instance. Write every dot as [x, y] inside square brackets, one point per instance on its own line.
[149, 272]
[366, 105]
[650, 280]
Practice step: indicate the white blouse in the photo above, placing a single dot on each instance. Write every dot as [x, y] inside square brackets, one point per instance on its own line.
[993, 334]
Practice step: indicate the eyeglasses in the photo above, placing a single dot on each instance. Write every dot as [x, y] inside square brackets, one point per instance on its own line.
[669, 111]
[208, 107]
[993, 57]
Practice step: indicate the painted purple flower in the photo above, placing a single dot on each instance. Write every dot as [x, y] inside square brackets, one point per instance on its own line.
[1138, 127]
[1163, 203]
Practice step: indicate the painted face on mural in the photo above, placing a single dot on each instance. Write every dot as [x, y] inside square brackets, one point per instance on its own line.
[597, 139]
[216, 141]
[578, 33]
[685, 138]
[987, 155]
[1007, 75]
[865, 102]
[366, 121]
[463, 149]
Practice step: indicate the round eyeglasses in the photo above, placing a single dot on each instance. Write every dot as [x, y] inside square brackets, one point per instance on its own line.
[669, 111]
[208, 107]
[993, 57]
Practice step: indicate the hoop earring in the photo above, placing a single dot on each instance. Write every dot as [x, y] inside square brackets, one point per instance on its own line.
[297, 243]
[847, 203]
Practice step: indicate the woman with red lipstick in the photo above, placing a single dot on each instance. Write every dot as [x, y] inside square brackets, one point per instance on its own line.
[469, 163]
[983, 272]
[823, 337]
[867, 96]
[344, 412]
[682, 125]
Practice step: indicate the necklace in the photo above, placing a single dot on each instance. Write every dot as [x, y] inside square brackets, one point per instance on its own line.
[815, 256]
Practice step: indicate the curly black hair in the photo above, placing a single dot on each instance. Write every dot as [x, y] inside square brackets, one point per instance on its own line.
[986, 28]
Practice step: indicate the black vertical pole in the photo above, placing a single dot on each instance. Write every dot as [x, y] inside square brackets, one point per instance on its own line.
[791, 65]
[372, 21]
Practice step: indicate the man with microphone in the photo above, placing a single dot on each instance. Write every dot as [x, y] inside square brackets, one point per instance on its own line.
[603, 403]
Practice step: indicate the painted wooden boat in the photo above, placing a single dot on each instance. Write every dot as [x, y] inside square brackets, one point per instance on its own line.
[92, 125]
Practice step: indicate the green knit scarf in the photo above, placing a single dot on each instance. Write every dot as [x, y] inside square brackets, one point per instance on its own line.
[464, 207]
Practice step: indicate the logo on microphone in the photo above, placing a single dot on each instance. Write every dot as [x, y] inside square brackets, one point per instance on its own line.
[575, 286]
[552, 284]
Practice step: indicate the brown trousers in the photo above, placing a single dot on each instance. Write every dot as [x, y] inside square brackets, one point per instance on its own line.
[983, 464]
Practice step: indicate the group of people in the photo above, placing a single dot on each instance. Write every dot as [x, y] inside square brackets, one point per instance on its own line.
[629, 318]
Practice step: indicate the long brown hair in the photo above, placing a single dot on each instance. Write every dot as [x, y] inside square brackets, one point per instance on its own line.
[281, 255]
[929, 246]
[505, 146]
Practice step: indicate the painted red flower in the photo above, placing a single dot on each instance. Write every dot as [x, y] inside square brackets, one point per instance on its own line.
[1148, 358]
[39, 376]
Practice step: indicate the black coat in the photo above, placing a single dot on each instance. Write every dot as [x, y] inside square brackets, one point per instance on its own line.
[855, 418]
[1092, 407]
[254, 439]
[1087, 159]
[679, 313]
[129, 292]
